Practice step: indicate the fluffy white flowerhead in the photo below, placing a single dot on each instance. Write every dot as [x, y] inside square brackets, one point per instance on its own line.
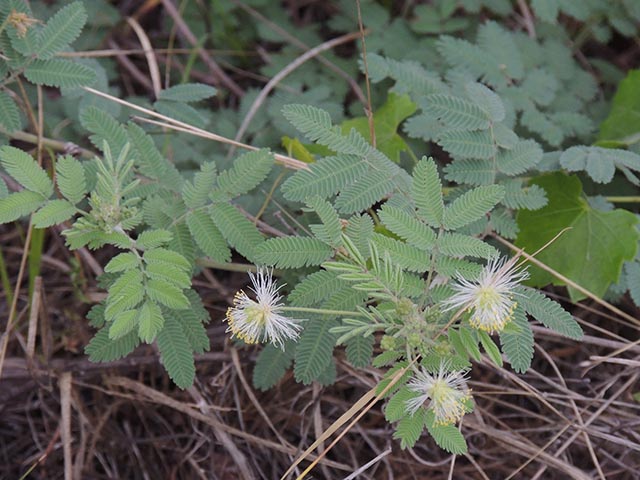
[260, 320]
[490, 298]
[448, 392]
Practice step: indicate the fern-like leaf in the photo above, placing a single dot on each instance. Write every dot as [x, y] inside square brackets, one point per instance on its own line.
[410, 429]
[427, 192]
[61, 29]
[471, 206]
[176, 353]
[364, 192]
[457, 245]
[187, 92]
[208, 237]
[448, 437]
[359, 350]
[325, 178]
[314, 350]
[9, 113]
[314, 288]
[59, 73]
[408, 227]
[105, 128]
[517, 341]
[456, 112]
[19, 204]
[468, 144]
[472, 172]
[71, 179]
[403, 255]
[25, 170]
[330, 231]
[549, 313]
[196, 193]
[248, 171]
[525, 155]
[101, 348]
[293, 252]
[53, 213]
[236, 229]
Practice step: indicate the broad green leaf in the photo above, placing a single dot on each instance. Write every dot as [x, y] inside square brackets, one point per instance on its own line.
[54, 212]
[591, 253]
[622, 127]
[26, 171]
[19, 204]
[71, 179]
[387, 120]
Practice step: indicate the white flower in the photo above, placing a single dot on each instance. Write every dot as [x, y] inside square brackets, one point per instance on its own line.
[490, 298]
[448, 393]
[260, 320]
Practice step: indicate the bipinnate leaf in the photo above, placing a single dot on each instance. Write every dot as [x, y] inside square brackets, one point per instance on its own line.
[396, 408]
[166, 294]
[331, 229]
[207, 236]
[517, 341]
[26, 171]
[101, 348]
[427, 192]
[123, 323]
[591, 252]
[196, 193]
[71, 179]
[59, 73]
[192, 326]
[293, 252]
[18, 204]
[248, 171]
[153, 238]
[123, 261]
[9, 113]
[410, 429]
[456, 112]
[236, 229]
[472, 206]
[468, 144]
[448, 437]
[359, 350]
[271, 365]
[61, 29]
[408, 227]
[549, 313]
[187, 92]
[176, 353]
[314, 349]
[53, 213]
[150, 321]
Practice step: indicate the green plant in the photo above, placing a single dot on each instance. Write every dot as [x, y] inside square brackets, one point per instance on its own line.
[389, 253]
